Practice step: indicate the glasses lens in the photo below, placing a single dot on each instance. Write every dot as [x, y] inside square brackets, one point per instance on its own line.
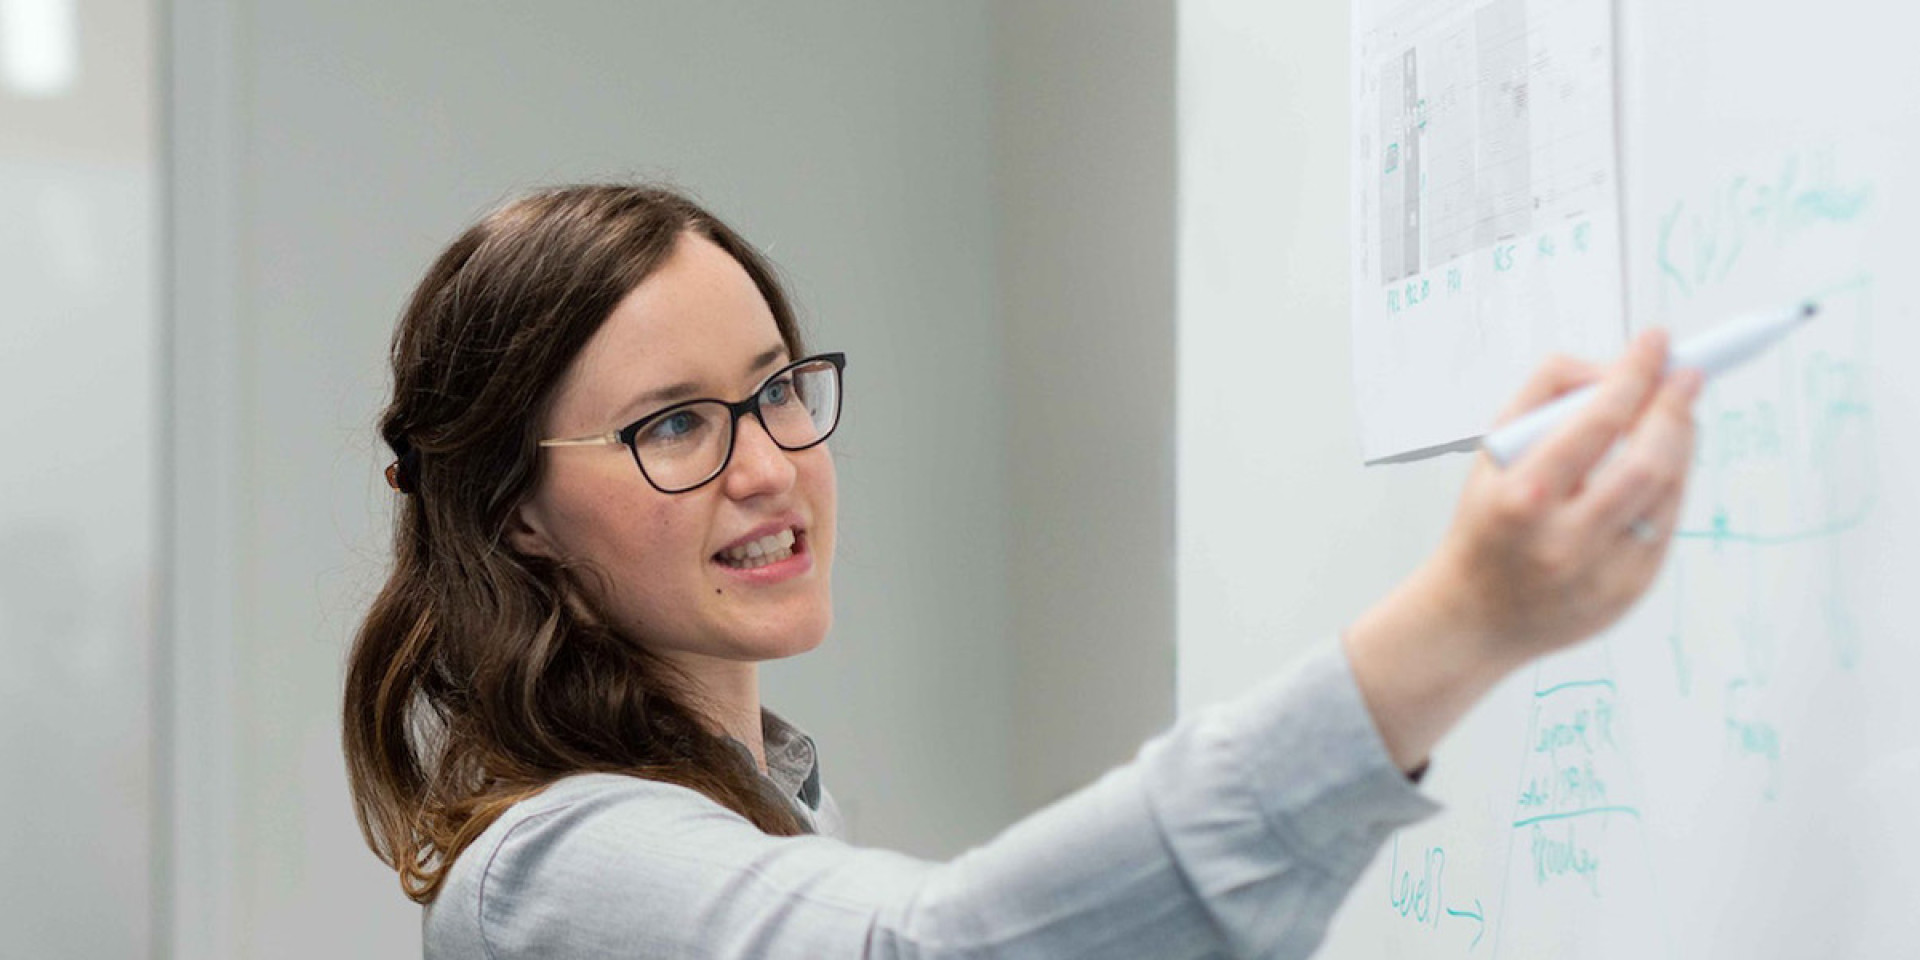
[801, 405]
[684, 445]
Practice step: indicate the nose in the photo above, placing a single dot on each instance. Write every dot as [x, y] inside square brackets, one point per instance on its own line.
[758, 466]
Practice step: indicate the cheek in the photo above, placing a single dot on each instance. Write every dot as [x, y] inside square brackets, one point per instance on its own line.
[639, 541]
[661, 545]
[822, 488]
[826, 481]
[651, 566]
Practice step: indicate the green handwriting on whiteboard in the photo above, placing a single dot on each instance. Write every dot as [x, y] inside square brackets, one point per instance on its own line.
[1788, 477]
[1416, 891]
[1702, 241]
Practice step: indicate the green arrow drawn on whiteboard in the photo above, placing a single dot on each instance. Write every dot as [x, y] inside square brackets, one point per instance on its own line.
[1476, 915]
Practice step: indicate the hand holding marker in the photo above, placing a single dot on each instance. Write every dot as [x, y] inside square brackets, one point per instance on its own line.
[1711, 353]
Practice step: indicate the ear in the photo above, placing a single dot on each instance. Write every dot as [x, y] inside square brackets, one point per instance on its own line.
[527, 532]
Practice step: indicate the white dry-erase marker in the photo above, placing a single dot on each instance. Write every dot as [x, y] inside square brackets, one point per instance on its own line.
[1712, 352]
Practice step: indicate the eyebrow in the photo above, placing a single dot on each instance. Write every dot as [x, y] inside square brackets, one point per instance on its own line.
[686, 389]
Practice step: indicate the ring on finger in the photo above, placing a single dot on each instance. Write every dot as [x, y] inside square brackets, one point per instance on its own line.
[1644, 531]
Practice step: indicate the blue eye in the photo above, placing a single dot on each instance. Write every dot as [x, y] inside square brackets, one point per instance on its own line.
[779, 393]
[674, 427]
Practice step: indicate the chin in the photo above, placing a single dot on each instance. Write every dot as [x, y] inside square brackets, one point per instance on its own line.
[788, 651]
[776, 641]
[795, 644]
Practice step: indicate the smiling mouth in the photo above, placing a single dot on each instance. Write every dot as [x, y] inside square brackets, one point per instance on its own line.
[764, 552]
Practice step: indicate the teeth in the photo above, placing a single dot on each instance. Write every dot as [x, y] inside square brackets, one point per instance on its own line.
[759, 553]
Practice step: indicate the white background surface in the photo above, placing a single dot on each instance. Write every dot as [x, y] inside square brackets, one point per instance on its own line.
[1792, 623]
[80, 501]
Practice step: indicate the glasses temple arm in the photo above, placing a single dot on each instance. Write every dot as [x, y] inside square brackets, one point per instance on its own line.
[598, 440]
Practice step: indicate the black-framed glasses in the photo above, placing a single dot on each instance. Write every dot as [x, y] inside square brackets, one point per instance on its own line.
[688, 444]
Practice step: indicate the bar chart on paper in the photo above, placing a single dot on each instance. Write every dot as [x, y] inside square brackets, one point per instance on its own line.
[1485, 208]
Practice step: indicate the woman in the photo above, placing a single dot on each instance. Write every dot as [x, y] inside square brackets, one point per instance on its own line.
[618, 502]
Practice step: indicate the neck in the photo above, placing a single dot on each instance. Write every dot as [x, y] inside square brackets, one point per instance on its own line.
[730, 690]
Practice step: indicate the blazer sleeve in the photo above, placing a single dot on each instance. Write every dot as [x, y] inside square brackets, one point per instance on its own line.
[1235, 833]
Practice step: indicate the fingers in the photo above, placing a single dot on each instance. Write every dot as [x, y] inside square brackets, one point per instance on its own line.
[1637, 560]
[1664, 515]
[1559, 374]
[1561, 462]
[1652, 466]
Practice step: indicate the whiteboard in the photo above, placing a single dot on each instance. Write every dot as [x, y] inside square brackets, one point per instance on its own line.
[1730, 771]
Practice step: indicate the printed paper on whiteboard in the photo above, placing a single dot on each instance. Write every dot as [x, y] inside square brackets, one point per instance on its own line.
[1486, 208]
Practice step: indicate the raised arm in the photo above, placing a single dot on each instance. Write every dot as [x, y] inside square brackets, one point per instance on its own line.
[1541, 555]
[1235, 834]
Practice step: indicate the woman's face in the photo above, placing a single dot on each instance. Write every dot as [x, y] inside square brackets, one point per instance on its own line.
[697, 321]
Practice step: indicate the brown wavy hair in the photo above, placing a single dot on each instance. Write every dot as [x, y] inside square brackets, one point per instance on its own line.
[482, 674]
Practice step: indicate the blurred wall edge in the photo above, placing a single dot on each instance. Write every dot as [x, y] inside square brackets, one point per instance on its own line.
[80, 339]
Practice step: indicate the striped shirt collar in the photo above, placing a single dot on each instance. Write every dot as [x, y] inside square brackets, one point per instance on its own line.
[792, 762]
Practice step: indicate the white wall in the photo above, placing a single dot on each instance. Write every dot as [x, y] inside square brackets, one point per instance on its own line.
[1086, 179]
[1314, 538]
[80, 336]
[322, 153]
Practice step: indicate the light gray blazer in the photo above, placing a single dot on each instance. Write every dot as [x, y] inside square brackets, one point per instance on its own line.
[1237, 833]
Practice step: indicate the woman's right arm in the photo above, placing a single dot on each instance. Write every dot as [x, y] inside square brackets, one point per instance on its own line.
[1540, 555]
[1234, 834]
